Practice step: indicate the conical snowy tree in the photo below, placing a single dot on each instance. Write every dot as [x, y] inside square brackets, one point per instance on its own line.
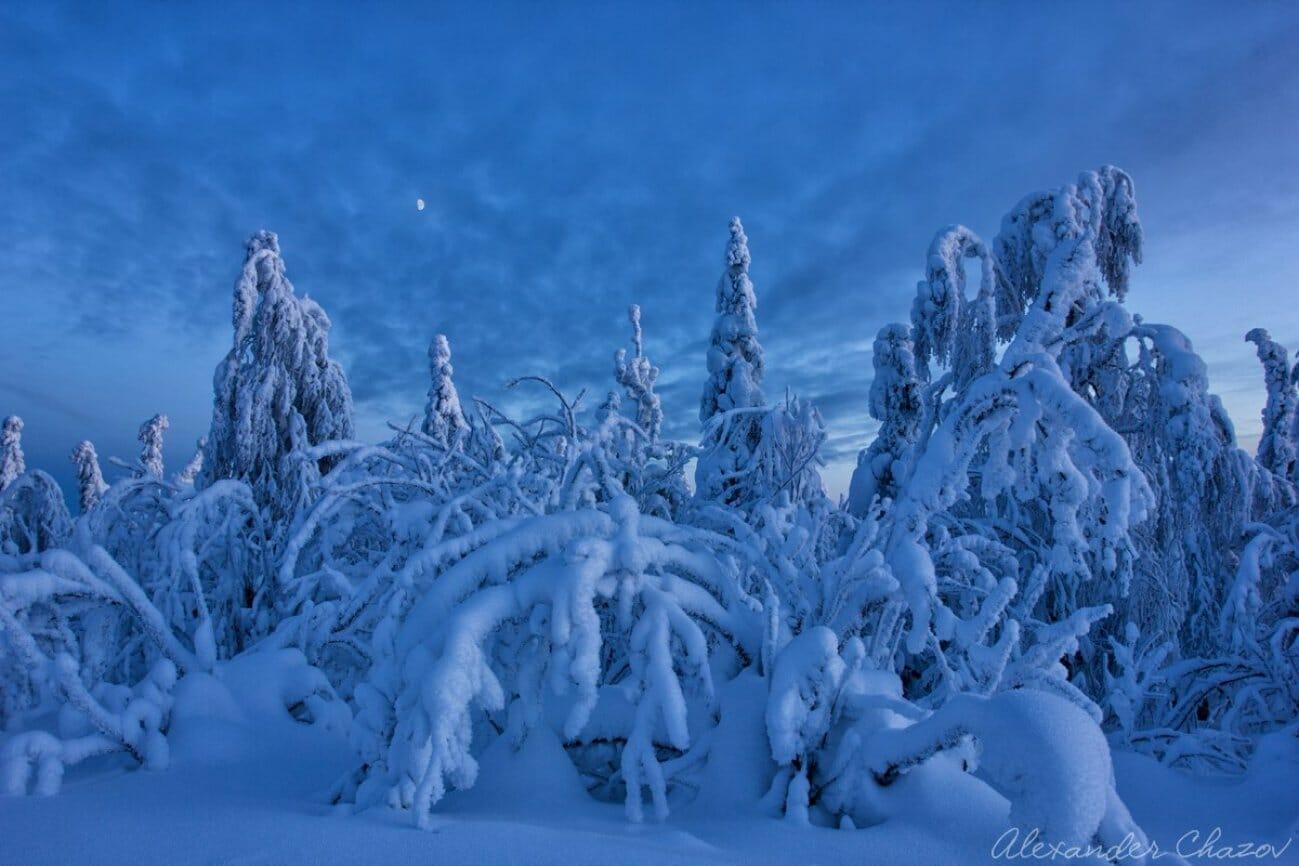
[731, 406]
[735, 363]
[444, 419]
[90, 480]
[151, 433]
[1276, 447]
[278, 370]
[12, 463]
[895, 401]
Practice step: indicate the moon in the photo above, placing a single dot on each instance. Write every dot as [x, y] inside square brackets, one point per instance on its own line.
[419, 204]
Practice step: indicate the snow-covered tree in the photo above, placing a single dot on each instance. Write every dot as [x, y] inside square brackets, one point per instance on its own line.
[1113, 483]
[90, 481]
[277, 391]
[638, 376]
[1207, 489]
[33, 515]
[1276, 445]
[12, 463]
[948, 327]
[735, 360]
[1035, 449]
[151, 433]
[651, 469]
[733, 393]
[895, 401]
[189, 473]
[1058, 251]
[444, 420]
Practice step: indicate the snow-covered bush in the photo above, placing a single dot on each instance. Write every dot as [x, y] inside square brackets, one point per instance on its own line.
[1213, 707]
[54, 609]
[378, 521]
[842, 734]
[545, 590]
[102, 639]
[616, 615]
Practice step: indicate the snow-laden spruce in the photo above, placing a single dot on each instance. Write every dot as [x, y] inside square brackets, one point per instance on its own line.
[444, 420]
[895, 401]
[12, 462]
[732, 397]
[277, 390]
[735, 359]
[1276, 448]
[90, 479]
[151, 435]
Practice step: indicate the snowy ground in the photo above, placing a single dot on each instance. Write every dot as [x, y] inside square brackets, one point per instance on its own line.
[251, 793]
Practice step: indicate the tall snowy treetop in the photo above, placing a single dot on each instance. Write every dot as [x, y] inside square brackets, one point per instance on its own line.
[735, 362]
[1120, 240]
[895, 390]
[444, 419]
[1276, 446]
[151, 433]
[277, 390]
[90, 480]
[637, 338]
[1099, 210]
[261, 265]
[949, 327]
[638, 376]
[896, 402]
[12, 462]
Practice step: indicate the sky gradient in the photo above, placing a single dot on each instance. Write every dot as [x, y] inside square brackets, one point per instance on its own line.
[574, 160]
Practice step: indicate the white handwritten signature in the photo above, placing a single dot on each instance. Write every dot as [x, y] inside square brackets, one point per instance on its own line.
[1015, 844]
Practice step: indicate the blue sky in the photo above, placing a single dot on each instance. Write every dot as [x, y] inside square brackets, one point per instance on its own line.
[578, 158]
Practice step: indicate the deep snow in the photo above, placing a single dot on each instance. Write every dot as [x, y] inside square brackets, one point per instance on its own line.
[251, 789]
